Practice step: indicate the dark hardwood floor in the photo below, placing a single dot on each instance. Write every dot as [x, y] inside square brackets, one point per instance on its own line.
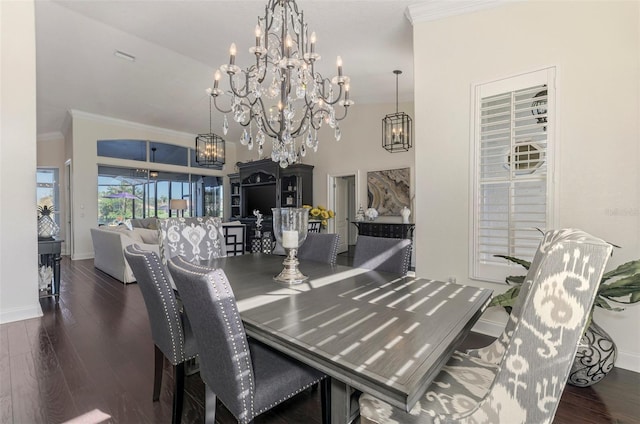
[93, 351]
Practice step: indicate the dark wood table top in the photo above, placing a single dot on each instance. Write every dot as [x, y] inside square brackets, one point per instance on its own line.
[378, 332]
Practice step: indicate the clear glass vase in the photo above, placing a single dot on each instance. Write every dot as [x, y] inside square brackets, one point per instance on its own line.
[290, 227]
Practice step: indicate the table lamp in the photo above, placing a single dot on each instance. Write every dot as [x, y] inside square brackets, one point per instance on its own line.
[178, 205]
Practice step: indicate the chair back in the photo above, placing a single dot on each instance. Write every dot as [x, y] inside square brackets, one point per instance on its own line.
[552, 317]
[163, 309]
[495, 351]
[225, 360]
[195, 239]
[320, 247]
[383, 254]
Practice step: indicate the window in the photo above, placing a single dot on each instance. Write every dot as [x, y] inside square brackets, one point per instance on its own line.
[125, 193]
[511, 187]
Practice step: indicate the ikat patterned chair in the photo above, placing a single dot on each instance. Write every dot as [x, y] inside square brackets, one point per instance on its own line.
[383, 254]
[194, 239]
[526, 383]
[320, 247]
[248, 377]
[170, 328]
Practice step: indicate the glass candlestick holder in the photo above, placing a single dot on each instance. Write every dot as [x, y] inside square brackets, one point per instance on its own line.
[290, 229]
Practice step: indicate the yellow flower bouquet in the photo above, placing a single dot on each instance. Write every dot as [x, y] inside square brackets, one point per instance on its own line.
[321, 213]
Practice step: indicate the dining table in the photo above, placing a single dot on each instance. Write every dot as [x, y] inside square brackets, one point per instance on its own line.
[376, 332]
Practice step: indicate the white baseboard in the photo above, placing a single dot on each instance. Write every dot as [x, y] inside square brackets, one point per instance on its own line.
[626, 360]
[18, 314]
[489, 328]
[80, 256]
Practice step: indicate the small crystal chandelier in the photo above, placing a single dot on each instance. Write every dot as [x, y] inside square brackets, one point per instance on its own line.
[281, 96]
[396, 128]
[210, 147]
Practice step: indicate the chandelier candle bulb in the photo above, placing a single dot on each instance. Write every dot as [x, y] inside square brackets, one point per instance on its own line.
[339, 63]
[258, 34]
[289, 43]
[216, 78]
[346, 93]
[313, 42]
[290, 239]
[232, 54]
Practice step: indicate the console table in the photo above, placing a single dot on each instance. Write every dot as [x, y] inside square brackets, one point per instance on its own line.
[49, 252]
[385, 229]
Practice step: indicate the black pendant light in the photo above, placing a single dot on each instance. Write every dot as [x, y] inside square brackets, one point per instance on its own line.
[397, 128]
[210, 149]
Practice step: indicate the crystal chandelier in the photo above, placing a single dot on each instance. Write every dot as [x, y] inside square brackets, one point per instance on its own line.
[397, 128]
[281, 96]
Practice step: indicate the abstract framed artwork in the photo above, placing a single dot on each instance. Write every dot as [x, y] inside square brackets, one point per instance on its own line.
[389, 191]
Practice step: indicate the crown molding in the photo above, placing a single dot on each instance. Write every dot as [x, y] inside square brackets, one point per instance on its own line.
[433, 10]
[130, 124]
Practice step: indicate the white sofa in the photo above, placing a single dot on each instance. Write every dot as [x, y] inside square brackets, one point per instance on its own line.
[109, 244]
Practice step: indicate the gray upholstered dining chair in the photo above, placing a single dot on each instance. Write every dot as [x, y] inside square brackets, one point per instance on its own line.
[493, 353]
[248, 377]
[170, 328]
[383, 254]
[320, 247]
[526, 384]
[195, 239]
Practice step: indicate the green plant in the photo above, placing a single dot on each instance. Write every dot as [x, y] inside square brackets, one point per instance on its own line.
[620, 285]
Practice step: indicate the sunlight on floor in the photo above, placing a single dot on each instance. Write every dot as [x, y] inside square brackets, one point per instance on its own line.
[92, 417]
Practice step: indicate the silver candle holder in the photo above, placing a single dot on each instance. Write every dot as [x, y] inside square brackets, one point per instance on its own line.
[290, 227]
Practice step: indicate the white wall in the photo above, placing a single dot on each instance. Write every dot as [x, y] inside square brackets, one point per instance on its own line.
[18, 218]
[358, 151]
[86, 130]
[596, 48]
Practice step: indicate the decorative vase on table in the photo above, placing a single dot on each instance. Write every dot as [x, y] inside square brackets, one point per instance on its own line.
[290, 226]
[47, 227]
[405, 212]
[596, 356]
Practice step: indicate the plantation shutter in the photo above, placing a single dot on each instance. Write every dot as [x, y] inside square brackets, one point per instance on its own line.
[511, 196]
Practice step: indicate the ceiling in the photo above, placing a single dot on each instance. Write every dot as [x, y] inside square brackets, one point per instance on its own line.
[179, 44]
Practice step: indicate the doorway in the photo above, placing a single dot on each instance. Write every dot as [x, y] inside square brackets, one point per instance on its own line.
[343, 195]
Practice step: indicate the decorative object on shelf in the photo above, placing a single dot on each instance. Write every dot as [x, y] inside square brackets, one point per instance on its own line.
[178, 205]
[282, 96]
[405, 212]
[290, 227]
[258, 216]
[360, 214]
[389, 190]
[539, 108]
[371, 214]
[267, 243]
[321, 213]
[596, 351]
[47, 227]
[210, 148]
[397, 129]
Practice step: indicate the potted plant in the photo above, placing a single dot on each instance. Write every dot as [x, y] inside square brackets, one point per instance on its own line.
[597, 352]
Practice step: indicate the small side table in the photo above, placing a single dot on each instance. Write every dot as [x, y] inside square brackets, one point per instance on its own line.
[49, 251]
